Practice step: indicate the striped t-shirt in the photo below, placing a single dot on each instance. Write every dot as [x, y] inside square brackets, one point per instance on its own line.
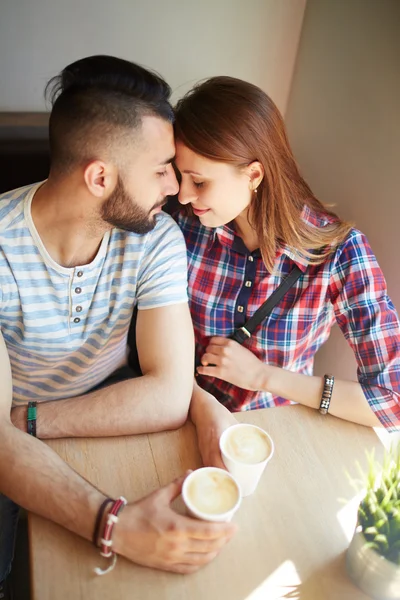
[66, 328]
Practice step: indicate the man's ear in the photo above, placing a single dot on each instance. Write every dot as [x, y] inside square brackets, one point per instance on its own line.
[100, 178]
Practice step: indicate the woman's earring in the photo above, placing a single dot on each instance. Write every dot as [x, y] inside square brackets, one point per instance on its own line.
[253, 189]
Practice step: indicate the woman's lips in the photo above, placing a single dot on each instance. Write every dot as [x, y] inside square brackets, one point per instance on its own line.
[199, 212]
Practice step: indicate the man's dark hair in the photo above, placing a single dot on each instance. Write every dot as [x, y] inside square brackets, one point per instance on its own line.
[97, 103]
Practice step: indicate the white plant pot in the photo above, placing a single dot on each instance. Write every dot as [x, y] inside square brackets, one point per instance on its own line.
[371, 572]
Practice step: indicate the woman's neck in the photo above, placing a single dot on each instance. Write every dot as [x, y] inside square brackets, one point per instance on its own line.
[246, 231]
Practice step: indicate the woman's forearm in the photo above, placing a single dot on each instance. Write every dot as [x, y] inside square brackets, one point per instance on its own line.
[348, 400]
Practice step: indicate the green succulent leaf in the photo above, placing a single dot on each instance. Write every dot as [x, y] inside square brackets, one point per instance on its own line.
[373, 546]
[379, 510]
[382, 541]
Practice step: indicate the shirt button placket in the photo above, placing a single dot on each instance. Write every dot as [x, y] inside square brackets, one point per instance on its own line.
[244, 295]
[78, 290]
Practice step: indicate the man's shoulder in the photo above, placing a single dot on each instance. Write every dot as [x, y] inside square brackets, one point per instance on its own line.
[165, 230]
[165, 224]
[12, 205]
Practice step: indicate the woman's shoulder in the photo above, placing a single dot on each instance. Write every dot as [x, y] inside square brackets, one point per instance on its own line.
[354, 244]
[354, 264]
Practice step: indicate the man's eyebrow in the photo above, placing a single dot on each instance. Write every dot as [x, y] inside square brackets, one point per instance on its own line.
[166, 162]
[192, 172]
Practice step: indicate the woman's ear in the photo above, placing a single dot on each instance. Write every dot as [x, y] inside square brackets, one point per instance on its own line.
[255, 173]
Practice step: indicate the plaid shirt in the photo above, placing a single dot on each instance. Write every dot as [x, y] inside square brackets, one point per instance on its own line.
[227, 284]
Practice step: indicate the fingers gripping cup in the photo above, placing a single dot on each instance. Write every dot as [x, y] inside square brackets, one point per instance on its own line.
[246, 450]
[211, 494]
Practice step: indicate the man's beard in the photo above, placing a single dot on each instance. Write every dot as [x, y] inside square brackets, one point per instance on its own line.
[120, 210]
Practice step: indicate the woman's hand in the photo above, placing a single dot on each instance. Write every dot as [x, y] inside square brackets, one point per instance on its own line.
[233, 363]
[211, 419]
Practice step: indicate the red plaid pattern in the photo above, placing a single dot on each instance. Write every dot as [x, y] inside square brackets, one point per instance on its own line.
[227, 284]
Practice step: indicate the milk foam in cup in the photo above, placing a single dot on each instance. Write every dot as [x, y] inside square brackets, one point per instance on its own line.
[246, 450]
[211, 494]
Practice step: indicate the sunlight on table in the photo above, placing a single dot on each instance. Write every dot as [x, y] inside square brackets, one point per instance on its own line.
[284, 582]
[347, 516]
[387, 439]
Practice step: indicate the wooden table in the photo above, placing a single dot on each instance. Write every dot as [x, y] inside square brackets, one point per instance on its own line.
[293, 531]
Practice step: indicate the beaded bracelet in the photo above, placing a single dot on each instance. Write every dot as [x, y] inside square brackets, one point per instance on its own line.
[329, 380]
[31, 419]
[106, 539]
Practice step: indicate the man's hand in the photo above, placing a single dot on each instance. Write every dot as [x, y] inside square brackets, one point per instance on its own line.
[233, 363]
[150, 533]
[211, 419]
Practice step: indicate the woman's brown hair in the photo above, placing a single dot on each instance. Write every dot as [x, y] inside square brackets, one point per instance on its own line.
[232, 121]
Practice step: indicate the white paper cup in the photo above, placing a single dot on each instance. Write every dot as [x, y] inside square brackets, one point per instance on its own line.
[211, 494]
[246, 449]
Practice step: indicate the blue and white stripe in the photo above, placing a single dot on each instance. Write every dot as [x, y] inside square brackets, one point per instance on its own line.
[53, 356]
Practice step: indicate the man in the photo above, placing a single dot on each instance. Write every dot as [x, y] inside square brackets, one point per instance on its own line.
[77, 254]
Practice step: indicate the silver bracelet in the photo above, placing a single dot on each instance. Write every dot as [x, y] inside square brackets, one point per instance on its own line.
[329, 380]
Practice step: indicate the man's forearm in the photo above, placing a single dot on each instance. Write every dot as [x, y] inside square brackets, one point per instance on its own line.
[348, 399]
[31, 472]
[144, 404]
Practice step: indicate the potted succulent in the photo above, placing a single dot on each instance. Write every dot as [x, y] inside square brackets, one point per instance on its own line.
[373, 557]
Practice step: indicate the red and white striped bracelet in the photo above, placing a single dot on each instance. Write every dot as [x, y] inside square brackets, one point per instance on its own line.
[106, 539]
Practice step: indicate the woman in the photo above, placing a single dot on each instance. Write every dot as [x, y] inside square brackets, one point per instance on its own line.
[252, 219]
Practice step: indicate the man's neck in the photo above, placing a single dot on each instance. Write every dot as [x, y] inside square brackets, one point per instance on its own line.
[66, 223]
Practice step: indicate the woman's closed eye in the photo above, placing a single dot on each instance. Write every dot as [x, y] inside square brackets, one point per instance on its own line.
[198, 184]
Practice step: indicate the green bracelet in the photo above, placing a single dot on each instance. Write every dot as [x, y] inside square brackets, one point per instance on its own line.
[31, 419]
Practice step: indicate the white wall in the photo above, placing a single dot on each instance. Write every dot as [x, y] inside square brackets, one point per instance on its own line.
[184, 40]
[344, 124]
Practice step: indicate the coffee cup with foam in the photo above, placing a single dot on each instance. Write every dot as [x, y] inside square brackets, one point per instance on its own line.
[211, 494]
[246, 449]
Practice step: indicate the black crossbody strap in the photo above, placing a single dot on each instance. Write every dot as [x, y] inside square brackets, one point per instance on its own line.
[240, 335]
